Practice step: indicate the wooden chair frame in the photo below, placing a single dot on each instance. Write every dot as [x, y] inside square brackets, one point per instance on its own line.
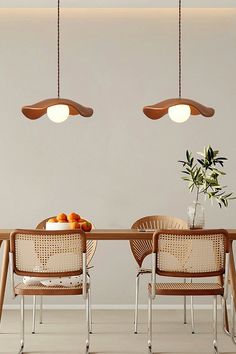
[91, 246]
[49, 291]
[143, 248]
[220, 290]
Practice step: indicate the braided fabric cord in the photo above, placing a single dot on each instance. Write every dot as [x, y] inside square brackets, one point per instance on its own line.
[141, 248]
[191, 253]
[48, 253]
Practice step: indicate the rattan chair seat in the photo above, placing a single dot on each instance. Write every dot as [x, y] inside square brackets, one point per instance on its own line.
[196, 289]
[23, 289]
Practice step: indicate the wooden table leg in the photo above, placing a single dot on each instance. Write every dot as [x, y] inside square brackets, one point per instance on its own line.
[3, 275]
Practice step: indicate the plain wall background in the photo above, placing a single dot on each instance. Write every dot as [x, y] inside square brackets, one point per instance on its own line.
[118, 165]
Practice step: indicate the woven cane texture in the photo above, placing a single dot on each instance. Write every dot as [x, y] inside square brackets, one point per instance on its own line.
[48, 253]
[22, 289]
[188, 286]
[142, 248]
[189, 253]
[197, 289]
[91, 245]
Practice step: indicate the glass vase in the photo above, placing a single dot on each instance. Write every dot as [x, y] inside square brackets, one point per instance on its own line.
[196, 216]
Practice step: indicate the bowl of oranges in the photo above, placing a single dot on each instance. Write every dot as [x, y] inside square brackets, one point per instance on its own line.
[70, 221]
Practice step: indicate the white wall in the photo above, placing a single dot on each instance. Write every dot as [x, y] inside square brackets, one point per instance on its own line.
[118, 3]
[118, 165]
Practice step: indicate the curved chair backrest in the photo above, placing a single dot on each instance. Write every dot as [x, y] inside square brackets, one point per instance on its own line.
[190, 253]
[91, 245]
[48, 253]
[142, 248]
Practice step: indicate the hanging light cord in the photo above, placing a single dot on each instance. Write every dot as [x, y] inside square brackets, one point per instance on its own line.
[180, 48]
[58, 48]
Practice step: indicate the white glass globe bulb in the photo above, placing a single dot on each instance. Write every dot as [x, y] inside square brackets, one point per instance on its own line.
[58, 113]
[179, 113]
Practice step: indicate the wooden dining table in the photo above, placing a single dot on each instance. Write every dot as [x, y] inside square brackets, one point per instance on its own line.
[104, 234]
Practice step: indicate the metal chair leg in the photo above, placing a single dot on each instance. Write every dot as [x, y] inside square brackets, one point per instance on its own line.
[87, 324]
[136, 304]
[41, 310]
[34, 310]
[192, 314]
[185, 306]
[233, 320]
[215, 325]
[90, 310]
[22, 329]
[150, 324]
[225, 317]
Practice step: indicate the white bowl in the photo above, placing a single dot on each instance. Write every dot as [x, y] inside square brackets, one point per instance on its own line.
[58, 226]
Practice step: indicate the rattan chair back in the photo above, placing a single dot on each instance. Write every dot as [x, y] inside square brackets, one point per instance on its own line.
[91, 245]
[190, 253]
[48, 253]
[142, 248]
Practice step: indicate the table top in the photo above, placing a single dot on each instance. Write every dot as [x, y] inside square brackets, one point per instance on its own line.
[113, 234]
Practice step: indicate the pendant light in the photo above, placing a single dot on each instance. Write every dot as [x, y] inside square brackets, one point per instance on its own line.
[57, 109]
[179, 109]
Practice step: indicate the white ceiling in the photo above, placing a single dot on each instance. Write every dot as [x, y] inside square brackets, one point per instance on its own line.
[117, 3]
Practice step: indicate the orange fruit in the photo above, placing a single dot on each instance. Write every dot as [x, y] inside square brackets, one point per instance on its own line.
[52, 220]
[73, 217]
[82, 220]
[86, 226]
[74, 225]
[72, 220]
[62, 217]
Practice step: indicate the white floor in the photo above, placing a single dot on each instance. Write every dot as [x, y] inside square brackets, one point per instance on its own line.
[63, 332]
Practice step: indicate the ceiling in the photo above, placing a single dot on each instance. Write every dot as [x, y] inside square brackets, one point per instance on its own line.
[117, 3]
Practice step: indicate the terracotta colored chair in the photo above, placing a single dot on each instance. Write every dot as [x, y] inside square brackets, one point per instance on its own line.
[142, 248]
[189, 254]
[42, 253]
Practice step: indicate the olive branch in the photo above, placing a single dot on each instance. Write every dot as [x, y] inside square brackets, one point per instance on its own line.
[203, 176]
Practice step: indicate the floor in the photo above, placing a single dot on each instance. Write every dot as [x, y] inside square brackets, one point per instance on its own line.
[63, 332]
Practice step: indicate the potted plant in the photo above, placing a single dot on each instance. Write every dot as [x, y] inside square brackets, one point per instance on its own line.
[203, 176]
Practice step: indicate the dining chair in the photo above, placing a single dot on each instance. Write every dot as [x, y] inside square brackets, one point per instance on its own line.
[91, 246]
[189, 254]
[42, 253]
[142, 248]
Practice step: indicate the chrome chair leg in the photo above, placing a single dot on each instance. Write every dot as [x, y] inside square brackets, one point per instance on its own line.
[150, 324]
[22, 329]
[192, 314]
[41, 310]
[90, 307]
[224, 314]
[185, 306]
[136, 304]
[87, 324]
[233, 320]
[34, 310]
[90, 310]
[215, 325]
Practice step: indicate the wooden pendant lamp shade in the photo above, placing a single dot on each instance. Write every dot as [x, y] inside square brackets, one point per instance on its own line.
[39, 109]
[159, 110]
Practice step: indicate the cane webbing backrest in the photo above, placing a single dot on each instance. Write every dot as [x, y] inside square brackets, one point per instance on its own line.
[190, 253]
[48, 253]
[91, 245]
[142, 248]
